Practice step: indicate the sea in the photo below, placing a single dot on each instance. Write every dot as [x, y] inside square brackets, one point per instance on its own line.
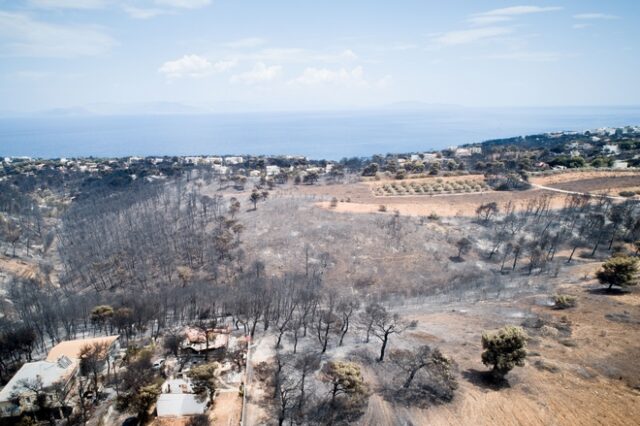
[317, 135]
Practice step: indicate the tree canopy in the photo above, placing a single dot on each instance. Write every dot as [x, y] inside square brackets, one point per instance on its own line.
[504, 349]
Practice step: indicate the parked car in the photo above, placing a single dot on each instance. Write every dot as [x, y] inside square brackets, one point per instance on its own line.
[158, 364]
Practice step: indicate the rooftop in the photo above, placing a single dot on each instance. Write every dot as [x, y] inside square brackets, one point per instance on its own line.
[179, 404]
[49, 372]
[71, 348]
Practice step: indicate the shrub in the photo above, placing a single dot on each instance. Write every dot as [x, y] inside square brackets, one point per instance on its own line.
[433, 216]
[564, 301]
[382, 208]
[627, 193]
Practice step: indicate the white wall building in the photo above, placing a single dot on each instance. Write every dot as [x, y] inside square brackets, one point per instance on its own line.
[272, 170]
[611, 149]
[233, 160]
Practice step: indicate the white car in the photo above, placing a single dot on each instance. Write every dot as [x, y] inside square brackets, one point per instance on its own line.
[158, 364]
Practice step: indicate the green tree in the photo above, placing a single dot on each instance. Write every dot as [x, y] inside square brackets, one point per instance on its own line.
[101, 315]
[138, 386]
[620, 271]
[370, 170]
[504, 349]
[204, 380]
[142, 400]
[345, 379]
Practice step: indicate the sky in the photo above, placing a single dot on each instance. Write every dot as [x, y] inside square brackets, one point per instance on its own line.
[304, 55]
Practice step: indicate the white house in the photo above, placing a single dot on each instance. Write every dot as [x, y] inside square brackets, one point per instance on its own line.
[222, 170]
[273, 170]
[462, 152]
[430, 156]
[19, 396]
[233, 160]
[619, 164]
[611, 149]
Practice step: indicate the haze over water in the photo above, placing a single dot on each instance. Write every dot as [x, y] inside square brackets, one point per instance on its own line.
[329, 135]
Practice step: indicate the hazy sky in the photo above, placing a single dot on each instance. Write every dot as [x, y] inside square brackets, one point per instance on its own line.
[299, 54]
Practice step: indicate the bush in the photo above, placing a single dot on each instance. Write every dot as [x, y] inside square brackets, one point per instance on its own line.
[433, 216]
[564, 301]
[627, 193]
[382, 208]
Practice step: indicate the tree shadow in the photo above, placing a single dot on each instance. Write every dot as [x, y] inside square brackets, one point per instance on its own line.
[485, 380]
[605, 291]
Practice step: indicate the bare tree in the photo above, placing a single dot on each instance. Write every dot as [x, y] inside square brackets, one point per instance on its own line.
[386, 324]
[346, 307]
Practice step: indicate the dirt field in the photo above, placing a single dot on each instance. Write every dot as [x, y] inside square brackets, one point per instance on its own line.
[589, 375]
[606, 182]
[569, 176]
[226, 410]
[357, 198]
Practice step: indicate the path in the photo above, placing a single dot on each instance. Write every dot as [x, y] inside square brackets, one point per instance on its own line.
[564, 191]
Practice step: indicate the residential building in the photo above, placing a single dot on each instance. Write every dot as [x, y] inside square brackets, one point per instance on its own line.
[273, 170]
[611, 149]
[197, 341]
[233, 160]
[72, 348]
[53, 378]
[462, 152]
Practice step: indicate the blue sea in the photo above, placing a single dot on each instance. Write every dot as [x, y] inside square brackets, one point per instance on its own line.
[330, 135]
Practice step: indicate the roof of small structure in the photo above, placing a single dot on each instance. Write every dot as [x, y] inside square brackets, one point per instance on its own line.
[179, 404]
